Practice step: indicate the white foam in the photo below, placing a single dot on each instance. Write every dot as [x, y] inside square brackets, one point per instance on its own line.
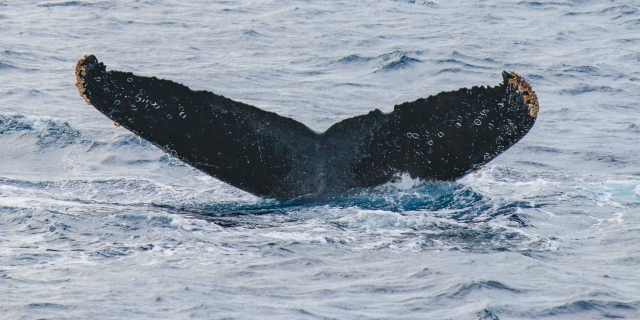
[405, 182]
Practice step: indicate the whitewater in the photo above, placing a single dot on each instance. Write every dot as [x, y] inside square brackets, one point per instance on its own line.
[96, 223]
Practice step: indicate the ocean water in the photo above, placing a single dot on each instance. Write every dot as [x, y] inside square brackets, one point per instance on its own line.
[98, 224]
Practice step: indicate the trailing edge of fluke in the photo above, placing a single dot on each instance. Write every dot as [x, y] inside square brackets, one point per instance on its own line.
[442, 137]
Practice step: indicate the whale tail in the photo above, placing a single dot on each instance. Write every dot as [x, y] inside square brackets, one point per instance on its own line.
[442, 137]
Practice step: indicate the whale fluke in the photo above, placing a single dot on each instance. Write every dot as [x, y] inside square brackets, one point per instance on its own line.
[442, 137]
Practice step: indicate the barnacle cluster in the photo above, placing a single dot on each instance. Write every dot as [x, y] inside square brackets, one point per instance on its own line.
[527, 92]
[81, 72]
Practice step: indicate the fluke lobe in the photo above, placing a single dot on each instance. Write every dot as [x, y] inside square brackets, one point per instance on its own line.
[442, 137]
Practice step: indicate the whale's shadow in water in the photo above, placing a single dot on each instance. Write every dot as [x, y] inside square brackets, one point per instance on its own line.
[453, 200]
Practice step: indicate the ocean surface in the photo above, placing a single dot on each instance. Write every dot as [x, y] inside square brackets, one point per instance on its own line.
[96, 223]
